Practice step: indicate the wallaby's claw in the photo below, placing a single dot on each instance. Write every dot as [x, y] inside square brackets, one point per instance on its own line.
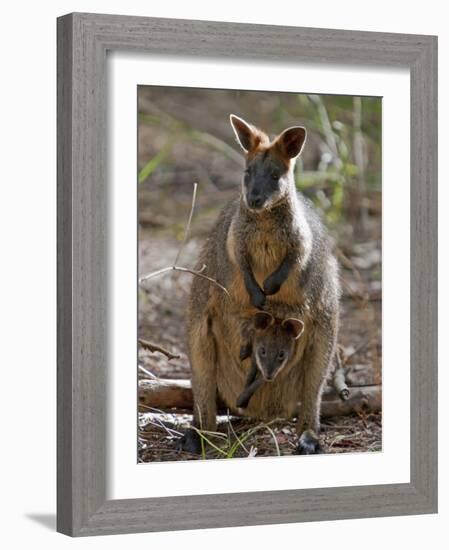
[258, 299]
[190, 442]
[309, 444]
[271, 286]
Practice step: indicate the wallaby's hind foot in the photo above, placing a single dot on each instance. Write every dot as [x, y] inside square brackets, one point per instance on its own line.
[190, 442]
[309, 444]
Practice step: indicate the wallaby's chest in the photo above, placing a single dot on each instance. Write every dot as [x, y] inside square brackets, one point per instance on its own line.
[266, 247]
[266, 250]
[266, 244]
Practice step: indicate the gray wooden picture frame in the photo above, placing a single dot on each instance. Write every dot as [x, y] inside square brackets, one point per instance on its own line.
[83, 41]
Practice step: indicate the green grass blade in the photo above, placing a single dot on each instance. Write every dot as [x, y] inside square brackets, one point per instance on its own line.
[153, 163]
[209, 442]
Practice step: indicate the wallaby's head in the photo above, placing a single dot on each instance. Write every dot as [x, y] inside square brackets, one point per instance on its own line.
[268, 176]
[274, 342]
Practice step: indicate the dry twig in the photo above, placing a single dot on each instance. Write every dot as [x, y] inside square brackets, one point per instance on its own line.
[154, 348]
[148, 373]
[174, 267]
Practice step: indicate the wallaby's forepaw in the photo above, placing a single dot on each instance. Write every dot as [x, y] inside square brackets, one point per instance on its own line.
[271, 285]
[190, 442]
[309, 444]
[257, 298]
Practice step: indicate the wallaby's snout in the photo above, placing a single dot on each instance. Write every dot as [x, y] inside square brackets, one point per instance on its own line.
[264, 181]
[255, 200]
[260, 185]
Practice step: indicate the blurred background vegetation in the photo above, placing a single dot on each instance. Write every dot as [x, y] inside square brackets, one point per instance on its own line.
[184, 136]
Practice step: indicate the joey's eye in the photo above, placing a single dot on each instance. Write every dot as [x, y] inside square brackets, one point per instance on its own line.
[263, 351]
[281, 355]
[275, 175]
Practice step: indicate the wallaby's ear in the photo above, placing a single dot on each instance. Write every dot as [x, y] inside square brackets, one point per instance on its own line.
[294, 327]
[291, 141]
[262, 320]
[244, 132]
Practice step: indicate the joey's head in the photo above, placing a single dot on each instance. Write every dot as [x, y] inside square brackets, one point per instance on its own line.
[268, 176]
[274, 342]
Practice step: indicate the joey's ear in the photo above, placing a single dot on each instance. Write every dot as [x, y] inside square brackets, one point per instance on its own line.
[291, 141]
[262, 320]
[294, 327]
[244, 132]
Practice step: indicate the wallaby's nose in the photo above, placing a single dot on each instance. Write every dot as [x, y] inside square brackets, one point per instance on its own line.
[255, 201]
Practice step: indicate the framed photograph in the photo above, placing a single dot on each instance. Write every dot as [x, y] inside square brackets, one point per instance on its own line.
[247, 274]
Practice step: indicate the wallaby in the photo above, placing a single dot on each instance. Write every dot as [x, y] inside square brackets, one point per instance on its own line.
[270, 343]
[270, 249]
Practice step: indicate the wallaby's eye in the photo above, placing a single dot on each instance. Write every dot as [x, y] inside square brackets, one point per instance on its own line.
[275, 175]
[281, 355]
[263, 351]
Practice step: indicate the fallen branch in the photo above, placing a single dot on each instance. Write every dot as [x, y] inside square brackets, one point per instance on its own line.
[361, 398]
[175, 267]
[167, 395]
